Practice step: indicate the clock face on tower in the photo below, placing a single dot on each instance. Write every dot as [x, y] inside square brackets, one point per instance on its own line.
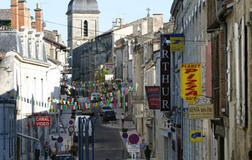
[78, 43]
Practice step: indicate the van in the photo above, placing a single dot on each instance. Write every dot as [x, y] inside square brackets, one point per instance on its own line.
[76, 127]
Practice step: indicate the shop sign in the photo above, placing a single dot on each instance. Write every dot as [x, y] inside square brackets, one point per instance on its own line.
[165, 73]
[190, 75]
[177, 42]
[201, 111]
[153, 96]
[196, 136]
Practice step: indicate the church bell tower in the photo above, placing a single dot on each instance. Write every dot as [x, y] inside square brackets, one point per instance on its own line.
[83, 21]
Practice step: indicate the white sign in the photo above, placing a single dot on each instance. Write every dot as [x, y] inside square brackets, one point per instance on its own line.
[109, 77]
[134, 148]
[60, 144]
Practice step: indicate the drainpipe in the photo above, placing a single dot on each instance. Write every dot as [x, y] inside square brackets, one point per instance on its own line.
[4, 151]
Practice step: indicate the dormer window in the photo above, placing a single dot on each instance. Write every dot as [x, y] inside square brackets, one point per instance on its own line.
[85, 28]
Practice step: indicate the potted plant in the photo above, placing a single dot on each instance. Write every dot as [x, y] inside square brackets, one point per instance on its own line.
[124, 129]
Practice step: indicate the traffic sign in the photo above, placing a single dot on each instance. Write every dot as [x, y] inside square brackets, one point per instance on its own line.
[60, 139]
[133, 138]
[133, 148]
[125, 135]
[70, 129]
[70, 122]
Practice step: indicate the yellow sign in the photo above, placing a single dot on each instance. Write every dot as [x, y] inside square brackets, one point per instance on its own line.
[201, 111]
[196, 136]
[190, 75]
[177, 42]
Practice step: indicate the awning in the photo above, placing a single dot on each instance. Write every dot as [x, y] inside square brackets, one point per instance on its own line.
[28, 137]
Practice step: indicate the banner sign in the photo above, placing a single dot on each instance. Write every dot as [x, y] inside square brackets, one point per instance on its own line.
[42, 121]
[190, 82]
[177, 42]
[109, 65]
[196, 136]
[201, 111]
[153, 96]
[165, 72]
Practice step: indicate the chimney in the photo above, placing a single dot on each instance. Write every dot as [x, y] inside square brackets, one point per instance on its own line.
[21, 13]
[28, 18]
[38, 18]
[157, 22]
[14, 14]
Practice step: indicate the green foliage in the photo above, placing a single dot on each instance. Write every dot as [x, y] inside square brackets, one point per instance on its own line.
[124, 129]
[100, 75]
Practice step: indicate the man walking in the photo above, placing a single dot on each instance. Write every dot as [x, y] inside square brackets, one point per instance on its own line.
[142, 147]
[37, 150]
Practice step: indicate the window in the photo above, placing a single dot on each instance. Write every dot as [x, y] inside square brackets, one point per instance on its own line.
[85, 28]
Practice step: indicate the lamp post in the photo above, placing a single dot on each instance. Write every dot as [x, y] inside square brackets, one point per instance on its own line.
[93, 125]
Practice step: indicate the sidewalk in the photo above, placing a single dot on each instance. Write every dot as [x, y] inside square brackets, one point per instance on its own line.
[127, 124]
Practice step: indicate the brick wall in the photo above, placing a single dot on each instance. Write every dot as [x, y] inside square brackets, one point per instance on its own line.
[219, 73]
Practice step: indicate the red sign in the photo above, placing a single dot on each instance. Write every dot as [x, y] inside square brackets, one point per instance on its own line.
[165, 73]
[42, 121]
[153, 96]
[70, 129]
[133, 138]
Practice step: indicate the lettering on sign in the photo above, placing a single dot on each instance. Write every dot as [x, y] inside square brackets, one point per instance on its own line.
[201, 111]
[42, 121]
[165, 73]
[190, 82]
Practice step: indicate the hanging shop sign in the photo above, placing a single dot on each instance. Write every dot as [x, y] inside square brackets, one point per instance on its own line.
[190, 82]
[42, 121]
[153, 96]
[109, 65]
[177, 42]
[196, 136]
[201, 111]
[165, 72]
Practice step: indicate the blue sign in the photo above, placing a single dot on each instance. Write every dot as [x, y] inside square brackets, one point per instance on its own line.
[60, 139]
[70, 122]
[196, 134]
[133, 138]
[125, 135]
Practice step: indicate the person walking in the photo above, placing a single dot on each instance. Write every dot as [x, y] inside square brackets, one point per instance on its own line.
[250, 155]
[37, 150]
[147, 152]
[142, 148]
[122, 119]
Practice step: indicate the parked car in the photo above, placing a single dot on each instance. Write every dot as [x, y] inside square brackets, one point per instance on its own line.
[105, 108]
[109, 115]
[64, 157]
[95, 97]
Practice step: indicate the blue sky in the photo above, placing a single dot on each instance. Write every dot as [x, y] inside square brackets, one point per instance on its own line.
[130, 10]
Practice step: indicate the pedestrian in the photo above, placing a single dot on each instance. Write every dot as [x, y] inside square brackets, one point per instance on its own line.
[122, 119]
[56, 145]
[250, 155]
[37, 150]
[47, 150]
[147, 152]
[142, 148]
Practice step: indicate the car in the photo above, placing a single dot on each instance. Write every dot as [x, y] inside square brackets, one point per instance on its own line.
[64, 157]
[95, 97]
[109, 115]
[105, 108]
[55, 137]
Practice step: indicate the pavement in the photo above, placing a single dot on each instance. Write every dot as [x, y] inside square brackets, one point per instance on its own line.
[127, 124]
